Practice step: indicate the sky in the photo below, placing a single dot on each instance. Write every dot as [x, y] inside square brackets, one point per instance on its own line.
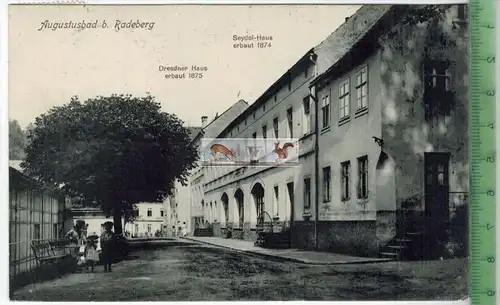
[47, 67]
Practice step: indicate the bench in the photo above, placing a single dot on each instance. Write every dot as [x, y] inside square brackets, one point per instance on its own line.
[50, 251]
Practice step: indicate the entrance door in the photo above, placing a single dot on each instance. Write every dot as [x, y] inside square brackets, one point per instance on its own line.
[291, 196]
[437, 190]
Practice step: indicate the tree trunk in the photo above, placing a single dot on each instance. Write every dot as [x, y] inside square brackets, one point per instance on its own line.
[117, 220]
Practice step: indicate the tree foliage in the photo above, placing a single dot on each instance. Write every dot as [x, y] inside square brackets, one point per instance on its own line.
[17, 141]
[113, 152]
[411, 15]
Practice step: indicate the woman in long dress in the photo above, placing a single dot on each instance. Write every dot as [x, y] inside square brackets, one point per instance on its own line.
[74, 240]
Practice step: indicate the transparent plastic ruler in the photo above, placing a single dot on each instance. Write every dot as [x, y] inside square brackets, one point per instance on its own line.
[482, 130]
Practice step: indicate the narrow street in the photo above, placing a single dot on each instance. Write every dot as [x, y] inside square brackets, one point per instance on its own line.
[192, 272]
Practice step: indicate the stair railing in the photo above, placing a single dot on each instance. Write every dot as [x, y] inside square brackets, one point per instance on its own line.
[261, 222]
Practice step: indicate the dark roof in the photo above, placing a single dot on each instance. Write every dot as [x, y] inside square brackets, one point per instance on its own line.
[219, 123]
[19, 179]
[193, 132]
[337, 44]
[326, 53]
[364, 44]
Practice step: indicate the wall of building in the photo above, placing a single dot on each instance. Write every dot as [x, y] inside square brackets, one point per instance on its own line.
[34, 215]
[228, 179]
[147, 225]
[183, 203]
[349, 140]
[350, 223]
[407, 135]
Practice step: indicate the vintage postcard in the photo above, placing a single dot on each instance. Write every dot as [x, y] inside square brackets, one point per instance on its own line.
[238, 152]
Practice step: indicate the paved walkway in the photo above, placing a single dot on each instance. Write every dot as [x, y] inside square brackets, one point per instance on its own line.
[294, 255]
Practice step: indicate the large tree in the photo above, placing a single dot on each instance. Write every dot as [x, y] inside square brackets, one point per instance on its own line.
[113, 152]
[17, 141]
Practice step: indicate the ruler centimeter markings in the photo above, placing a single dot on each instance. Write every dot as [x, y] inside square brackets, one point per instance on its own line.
[482, 129]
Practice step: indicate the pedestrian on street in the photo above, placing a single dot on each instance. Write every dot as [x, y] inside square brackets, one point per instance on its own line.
[74, 240]
[184, 229]
[91, 255]
[174, 232]
[108, 246]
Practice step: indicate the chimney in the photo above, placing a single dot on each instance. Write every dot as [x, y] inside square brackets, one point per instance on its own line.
[346, 18]
[204, 121]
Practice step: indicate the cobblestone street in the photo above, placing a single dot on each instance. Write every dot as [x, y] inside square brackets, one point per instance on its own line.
[191, 272]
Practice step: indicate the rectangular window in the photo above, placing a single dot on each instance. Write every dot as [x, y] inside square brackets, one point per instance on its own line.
[307, 193]
[462, 12]
[264, 107]
[150, 213]
[437, 89]
[307, 115]
[362, 88]
[345, 185]
[264, 131]
[276, 200]
[149, 228]
[254, 135]
[344, 100]
[55, 230]
[36, 231]
[327, 175]
[162, 213]
[253, 115]
[363, 177]
[276, 128]
[289, 117]
[325, 110]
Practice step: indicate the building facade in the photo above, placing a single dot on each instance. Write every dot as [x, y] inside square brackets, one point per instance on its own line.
[148, 221]
[177, 205]
[395, 160]
[238, 197]
[375, 109]
[34, 214]
[201, 213]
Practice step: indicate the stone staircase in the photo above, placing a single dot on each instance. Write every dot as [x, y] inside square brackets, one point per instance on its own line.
[405, 247]
[204, 232]
[408, 244]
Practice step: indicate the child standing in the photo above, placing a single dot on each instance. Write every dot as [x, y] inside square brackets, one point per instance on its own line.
[91, 255]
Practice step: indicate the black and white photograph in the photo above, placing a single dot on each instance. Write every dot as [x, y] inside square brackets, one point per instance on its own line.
[238, 152]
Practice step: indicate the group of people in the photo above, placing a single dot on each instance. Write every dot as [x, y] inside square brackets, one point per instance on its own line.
[179, 231]
[90, 253]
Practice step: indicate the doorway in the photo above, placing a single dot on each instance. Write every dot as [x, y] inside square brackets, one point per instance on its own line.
[291, 203]
[437, 192]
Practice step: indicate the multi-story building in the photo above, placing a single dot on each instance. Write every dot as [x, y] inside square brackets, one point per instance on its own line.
[382, 156]
[239, 195]
[200, 212]
[148, 221]
[389, 137]
[285, 110]
[177, 205]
